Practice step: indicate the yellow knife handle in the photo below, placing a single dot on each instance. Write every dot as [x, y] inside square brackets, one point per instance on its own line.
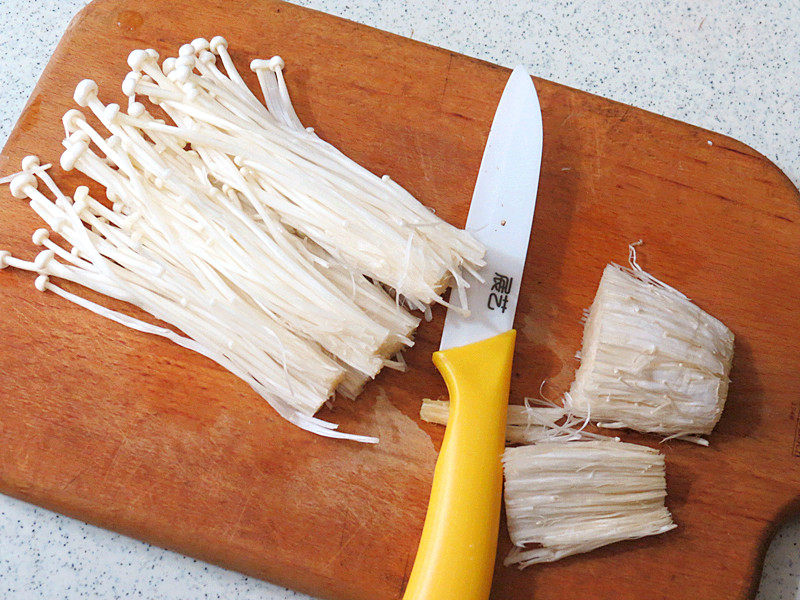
[455, 559]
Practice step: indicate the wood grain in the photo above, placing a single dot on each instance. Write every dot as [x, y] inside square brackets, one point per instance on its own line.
[140, 436]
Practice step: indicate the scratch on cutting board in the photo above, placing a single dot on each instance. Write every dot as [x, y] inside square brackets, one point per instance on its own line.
[231, 530]
[71, 480]
[123, 442]
[392, 422]
[344, 543]
[446, 80]
[424, 160]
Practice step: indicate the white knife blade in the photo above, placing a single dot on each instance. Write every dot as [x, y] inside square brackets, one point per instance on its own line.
[501, 214]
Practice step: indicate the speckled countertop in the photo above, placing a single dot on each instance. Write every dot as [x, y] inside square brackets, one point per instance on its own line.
[732, 66]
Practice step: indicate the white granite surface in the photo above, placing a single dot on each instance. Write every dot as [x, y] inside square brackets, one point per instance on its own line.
[732, 66]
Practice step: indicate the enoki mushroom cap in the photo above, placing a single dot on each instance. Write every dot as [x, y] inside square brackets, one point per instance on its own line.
[71, 119]
[187, 50]
[71, 155]
[110, 113]
[200, 44]
[218, 42]
[273, 64]
[136, 109]
[30, 162]
[168, 65]
[79, 202]
[77, 137]
[206, 57]
[81, 193]
[41, 283]
[21, 183]
[137, 59]
[85, 92]
[42, 259]
[40, 236]
[130, 82]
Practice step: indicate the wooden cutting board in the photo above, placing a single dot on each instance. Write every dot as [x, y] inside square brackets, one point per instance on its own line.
[135, 434]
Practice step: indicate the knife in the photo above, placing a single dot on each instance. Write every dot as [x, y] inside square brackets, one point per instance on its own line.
[455, 559]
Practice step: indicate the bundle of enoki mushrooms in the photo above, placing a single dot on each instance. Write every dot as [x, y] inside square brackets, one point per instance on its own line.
[568, 490]
[567, 497]
[266, 249]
